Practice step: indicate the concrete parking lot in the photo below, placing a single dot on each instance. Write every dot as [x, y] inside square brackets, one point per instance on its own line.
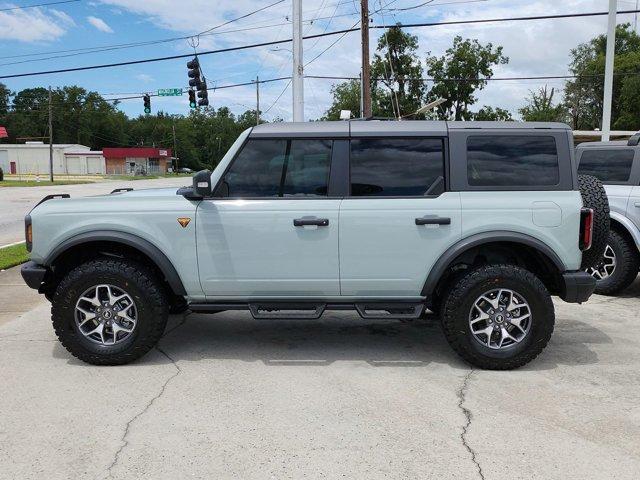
[16, 202]
[226, 396]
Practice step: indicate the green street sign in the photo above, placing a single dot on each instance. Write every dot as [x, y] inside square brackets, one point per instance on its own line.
[169, 92]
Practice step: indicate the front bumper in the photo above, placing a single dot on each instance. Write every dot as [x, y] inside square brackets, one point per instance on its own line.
[577, 286]
[33, 274]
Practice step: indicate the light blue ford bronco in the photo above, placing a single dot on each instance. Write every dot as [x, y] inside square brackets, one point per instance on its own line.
[478, 222]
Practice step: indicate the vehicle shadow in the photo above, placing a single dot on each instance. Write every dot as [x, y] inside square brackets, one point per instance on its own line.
[633, 291]
[343, 336]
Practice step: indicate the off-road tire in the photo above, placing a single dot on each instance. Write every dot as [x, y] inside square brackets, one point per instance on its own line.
[139, 282]
[177, 304]
[460, 300]
[594, 196]
[627, 265]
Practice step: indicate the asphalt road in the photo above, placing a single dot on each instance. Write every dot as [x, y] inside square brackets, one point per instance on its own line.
[16, 202]
[229, 397]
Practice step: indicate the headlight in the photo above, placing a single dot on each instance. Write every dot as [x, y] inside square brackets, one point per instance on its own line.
[28, 232]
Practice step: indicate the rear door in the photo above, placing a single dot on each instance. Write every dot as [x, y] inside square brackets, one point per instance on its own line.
[398, 218]
[274, 230]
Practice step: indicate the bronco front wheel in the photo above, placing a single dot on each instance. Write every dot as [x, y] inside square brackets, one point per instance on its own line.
[109, 311]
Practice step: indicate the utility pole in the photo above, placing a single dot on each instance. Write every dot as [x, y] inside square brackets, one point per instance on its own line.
[175, 145]
[50, 137]
[365, 80]
[608, 71]
[297, 80]
[257, 100]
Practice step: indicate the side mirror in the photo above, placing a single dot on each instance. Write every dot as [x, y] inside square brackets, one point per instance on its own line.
[202, 183]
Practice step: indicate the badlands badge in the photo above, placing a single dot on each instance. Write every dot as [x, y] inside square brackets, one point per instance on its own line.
[184, 221]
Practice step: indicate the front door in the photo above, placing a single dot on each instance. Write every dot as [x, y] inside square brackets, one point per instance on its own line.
[273, 232]
[398, 219]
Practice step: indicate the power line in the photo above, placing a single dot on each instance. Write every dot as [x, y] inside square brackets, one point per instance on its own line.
[478, 79]
[7, 9]
[241, 17]
[326, 34]
[55, 54]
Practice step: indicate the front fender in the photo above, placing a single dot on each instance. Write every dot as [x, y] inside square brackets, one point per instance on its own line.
[147, 248]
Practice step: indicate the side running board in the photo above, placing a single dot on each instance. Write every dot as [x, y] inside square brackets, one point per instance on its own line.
[272, 310]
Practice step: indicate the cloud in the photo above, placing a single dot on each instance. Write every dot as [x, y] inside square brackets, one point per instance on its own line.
[34, 25]
[99, 24]
[535, 48]
[143, 77]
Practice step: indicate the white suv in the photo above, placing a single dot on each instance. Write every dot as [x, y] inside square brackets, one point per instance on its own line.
[617, 165]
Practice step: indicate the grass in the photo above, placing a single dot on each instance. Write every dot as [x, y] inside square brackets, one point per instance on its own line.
[33, 183]
[13, 255]
[147, 177]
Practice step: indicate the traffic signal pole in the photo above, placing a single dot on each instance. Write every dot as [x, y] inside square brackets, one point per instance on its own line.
[297, 79]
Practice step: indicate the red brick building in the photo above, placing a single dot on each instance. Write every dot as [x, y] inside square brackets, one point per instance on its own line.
[136, 160]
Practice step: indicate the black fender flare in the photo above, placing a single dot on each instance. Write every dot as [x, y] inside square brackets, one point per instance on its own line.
[441, 265]
[147, 248]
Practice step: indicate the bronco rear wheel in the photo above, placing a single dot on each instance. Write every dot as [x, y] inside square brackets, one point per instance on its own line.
[498, 317]
[109, 311]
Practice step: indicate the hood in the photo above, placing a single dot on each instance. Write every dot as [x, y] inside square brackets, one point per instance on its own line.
[145, 192]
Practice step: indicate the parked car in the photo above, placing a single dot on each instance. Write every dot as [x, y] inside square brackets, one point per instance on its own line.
[481, 222]
[617, 165]
[184, 170]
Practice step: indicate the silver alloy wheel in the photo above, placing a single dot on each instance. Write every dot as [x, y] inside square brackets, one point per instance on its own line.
[607, 265]
[106, 314]
[500, 318]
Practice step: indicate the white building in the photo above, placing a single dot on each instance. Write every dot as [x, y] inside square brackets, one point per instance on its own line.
[32, 158]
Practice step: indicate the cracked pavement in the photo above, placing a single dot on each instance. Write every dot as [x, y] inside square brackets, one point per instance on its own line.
[229, 397]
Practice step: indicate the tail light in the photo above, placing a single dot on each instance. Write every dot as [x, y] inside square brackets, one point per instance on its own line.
[28, 232]
[586, 228]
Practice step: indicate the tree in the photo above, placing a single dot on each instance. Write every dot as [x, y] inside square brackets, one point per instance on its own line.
[540, 107]
[584, 94]
[346, 96]
[397, 72]
[463, 69]
[5, 99]
[488, 113]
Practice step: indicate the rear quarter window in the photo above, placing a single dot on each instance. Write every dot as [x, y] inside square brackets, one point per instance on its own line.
[613, 165]
[512, 161]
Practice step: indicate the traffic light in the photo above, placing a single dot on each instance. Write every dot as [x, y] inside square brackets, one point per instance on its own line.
[147, 103]
[197, 80]
[194, 72]
[203, 94]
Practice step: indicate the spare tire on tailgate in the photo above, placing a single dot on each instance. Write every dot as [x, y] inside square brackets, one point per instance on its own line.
[594, 196]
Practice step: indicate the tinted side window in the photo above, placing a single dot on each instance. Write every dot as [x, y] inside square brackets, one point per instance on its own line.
[512, 161]
[607, 165]
[277, 168]
[394, 166]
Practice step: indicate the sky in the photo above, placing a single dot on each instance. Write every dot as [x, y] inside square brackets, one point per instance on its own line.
[30, 37]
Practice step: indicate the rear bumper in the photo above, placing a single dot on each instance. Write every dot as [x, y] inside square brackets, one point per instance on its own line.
[33, 274]
[577, 286]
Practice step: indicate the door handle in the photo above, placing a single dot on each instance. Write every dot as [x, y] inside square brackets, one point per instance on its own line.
[637, 204]
[433, 220]
[319, 222]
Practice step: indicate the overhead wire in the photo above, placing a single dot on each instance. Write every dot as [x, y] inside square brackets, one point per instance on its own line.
[278, 42]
